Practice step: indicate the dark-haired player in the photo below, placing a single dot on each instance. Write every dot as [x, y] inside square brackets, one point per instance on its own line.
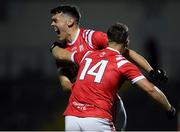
[66, 22]
[99, 76]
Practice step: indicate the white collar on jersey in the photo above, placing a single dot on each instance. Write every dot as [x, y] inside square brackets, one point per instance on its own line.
[113, 49]
[77, 34]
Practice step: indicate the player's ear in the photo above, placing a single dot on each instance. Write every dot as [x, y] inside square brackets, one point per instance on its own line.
[70, 22]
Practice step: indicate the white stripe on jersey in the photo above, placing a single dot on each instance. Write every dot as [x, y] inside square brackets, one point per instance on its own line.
[72, 56]
[119, 58]
[90, 39]
[137, 79]
[85, 55]
[122, 62]
[87, 35]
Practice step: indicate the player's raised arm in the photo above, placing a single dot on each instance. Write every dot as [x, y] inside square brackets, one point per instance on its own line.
[139, 60]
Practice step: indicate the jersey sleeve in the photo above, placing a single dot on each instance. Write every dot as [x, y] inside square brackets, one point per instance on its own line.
[99, 40]
[130, 71]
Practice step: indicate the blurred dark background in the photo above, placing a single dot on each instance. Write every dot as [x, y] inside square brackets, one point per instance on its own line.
[30, 96]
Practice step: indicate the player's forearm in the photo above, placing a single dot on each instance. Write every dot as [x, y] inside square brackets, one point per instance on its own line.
[61, 54]
[158, 95]
[139, 60]
[65, 83]
[155, 93]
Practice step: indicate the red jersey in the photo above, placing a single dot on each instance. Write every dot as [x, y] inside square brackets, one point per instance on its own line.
[87, 39]
[99, 77]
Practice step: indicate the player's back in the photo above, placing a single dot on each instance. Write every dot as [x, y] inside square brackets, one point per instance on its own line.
[99, 76]
[97, 82]
[99, 72]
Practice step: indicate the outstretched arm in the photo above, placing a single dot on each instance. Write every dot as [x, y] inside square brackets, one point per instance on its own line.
[154, 92]
[158, 96]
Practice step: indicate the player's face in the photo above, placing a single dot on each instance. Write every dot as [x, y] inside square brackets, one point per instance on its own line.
[59, 23]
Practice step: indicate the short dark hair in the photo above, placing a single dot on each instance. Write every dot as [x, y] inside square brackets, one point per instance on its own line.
[68, 9]
[118, 33]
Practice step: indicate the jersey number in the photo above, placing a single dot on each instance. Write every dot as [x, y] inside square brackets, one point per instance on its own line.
[98, 74]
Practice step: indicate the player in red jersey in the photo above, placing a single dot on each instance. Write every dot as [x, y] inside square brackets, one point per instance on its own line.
[93, 93]
[65, 21]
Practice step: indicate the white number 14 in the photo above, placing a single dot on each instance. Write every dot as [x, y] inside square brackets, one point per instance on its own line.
[98, 75]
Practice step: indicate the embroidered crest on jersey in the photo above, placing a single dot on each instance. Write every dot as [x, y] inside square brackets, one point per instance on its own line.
[81, 48]
[102, 54]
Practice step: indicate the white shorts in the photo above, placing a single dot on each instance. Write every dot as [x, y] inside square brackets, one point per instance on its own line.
[73, 123]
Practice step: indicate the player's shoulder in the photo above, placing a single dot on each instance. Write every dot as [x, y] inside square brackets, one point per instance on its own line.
[106, 54]
[86, 32]
[89, 32]
[119, 57]
[114, 53]
[121, 61]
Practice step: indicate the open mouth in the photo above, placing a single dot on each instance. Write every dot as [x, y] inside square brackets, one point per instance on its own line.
[57, 30]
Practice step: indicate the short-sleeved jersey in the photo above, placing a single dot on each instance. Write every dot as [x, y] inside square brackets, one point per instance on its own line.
[99, 77]
[85, 40]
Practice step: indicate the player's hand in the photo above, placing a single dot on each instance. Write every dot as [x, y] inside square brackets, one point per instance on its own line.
[171, 113]
[59, 44]
[159, 75]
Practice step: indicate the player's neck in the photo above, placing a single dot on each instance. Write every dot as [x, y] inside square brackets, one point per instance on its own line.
[115, 46]
[73, 34]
